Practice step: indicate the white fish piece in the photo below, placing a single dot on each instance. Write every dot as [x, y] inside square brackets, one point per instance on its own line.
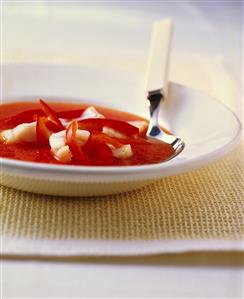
[57, 140]
[63, 154]
[82, 136]
[90, 112]
[112, 133]
[123, 152]
[25, 132]
[140, 124]
[60, 150]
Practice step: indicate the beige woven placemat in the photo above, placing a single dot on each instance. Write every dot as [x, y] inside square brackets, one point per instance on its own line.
[207, 204]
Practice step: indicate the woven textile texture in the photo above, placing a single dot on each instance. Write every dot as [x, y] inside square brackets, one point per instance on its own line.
[205, 204]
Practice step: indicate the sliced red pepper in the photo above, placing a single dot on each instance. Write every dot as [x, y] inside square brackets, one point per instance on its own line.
[53, 126]
[24, 117]
[51, 114]
[98, 150]
[42, 132]
[103, 138]
[70, 114]
[96, 124]
[74, 146]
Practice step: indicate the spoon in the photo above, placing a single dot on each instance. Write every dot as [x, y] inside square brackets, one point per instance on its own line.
[157, 81]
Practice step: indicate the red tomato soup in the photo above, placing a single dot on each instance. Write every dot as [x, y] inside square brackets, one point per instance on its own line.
[76, 134]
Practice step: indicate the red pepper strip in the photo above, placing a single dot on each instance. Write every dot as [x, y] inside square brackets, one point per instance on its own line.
[96, 124]
[42, 132]
[24, 117]
[53, 126]
[98, 151]
[51, 114]
[74, 146]
[103, 138]
[70, 114]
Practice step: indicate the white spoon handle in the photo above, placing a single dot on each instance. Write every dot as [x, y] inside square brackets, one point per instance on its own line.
[158, 63]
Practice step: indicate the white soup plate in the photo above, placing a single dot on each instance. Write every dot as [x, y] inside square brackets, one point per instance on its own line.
[209, 129]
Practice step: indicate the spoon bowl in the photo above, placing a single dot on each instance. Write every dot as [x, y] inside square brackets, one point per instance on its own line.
[154, 130]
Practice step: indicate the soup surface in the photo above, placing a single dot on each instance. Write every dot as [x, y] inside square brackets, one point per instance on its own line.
[76, 134]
